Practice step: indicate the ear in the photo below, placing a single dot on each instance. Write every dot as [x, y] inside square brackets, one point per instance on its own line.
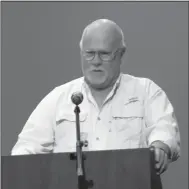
[123, 51]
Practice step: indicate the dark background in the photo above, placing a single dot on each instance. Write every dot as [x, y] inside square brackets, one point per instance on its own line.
[40, 50]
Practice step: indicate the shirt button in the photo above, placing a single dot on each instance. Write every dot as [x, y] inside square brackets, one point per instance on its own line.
[98, 118]
[97, 138]
[110, 130]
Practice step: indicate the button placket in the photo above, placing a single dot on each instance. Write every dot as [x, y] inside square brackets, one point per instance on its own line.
[110, 126]
[100, 134]
[97, 138]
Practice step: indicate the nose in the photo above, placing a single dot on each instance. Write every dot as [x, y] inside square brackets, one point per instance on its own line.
[96, 61]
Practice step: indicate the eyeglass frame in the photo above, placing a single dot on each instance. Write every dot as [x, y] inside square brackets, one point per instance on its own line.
[113, 54]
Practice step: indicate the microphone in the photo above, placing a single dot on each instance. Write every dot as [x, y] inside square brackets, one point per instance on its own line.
[77, 98]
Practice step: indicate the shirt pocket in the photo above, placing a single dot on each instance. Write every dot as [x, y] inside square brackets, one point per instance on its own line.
[128, 120]
[65, 130]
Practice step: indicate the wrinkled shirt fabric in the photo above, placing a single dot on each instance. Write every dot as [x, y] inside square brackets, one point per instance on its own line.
[135, 113]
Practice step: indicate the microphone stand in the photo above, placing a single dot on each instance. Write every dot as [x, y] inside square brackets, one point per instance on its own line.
[79, 143]
[82, 184]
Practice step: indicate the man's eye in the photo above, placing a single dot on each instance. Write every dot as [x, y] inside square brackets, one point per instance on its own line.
[89, 53]
[105, 53]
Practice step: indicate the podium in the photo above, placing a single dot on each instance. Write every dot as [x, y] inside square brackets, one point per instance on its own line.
[111, 169]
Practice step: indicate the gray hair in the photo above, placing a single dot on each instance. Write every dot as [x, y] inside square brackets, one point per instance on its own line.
[123, 45]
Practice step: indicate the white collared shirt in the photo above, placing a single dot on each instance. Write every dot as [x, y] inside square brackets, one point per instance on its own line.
[136, 113]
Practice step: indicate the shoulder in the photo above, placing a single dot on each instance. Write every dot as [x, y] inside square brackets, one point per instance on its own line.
[132, 80]
[64, 90]
[139, 84]
[62, 93]
[71, 85]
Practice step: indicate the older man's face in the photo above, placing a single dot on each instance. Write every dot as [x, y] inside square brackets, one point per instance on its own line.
[100, 72]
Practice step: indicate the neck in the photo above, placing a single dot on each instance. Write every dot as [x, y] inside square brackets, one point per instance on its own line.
[100, 94]
[101, 91]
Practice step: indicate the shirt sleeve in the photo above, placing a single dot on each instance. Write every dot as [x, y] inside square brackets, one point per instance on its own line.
[37, 136]
[160, 120]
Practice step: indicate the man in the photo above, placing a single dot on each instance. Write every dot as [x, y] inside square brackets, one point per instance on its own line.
[119, 111]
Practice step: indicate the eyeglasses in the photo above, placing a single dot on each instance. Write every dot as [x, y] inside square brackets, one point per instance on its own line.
[103, 55]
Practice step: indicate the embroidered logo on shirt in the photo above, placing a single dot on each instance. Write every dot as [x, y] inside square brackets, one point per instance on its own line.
[131, 100]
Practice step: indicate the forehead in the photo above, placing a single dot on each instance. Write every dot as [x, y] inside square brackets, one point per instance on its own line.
[100, 40]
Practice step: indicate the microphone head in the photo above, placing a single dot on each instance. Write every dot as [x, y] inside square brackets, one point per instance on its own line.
[77, 98]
